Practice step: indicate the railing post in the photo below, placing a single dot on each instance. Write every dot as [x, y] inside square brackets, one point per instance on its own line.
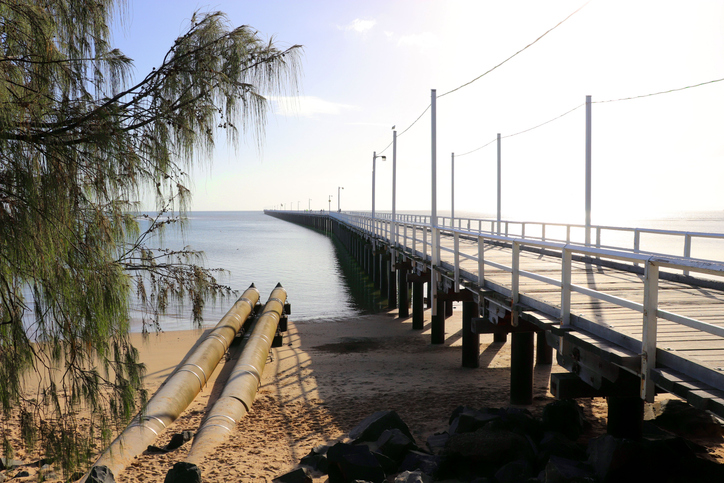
[515, 283]
[543, 232]
[456, 243]
[566, 258]
[637, 244]
[414, 240]
[687, 249]
[481, 263]
[522, 230]
[648, 356]
[568, 233]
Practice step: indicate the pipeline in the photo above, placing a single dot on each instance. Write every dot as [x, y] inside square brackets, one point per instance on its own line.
[243, 382]
[180, 389]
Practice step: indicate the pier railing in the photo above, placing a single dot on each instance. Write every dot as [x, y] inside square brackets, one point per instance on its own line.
[413, 235]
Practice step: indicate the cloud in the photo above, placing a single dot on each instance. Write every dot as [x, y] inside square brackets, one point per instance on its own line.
[308, 106]
[360, 26]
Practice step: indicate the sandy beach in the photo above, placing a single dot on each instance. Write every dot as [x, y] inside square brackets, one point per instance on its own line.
[326, 378]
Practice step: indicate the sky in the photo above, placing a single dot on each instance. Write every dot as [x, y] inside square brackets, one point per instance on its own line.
[369, 66]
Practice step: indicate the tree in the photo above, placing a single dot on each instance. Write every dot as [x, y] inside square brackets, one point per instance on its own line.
[79, 144]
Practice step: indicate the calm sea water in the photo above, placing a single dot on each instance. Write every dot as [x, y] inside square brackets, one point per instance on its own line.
[323, 282]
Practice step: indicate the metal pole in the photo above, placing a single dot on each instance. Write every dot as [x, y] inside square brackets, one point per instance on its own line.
[330, 203]
[588, 170]
[310, 204]
[452, 191]
[374, 159]
[499, 184]
[433, 214]
[394, 188]
[339, 197]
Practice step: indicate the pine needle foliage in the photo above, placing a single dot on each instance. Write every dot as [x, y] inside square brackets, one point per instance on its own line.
[79, 145]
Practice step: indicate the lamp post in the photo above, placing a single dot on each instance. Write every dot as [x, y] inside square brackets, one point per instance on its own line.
[374, 159]
[310, 204]
[330, 203]
[339, 197]
[394, 187]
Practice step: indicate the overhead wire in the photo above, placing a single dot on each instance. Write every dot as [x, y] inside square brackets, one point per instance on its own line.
[593, 102]
[489, 70]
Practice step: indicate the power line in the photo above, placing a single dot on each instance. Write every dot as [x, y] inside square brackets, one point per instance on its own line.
[661, 92]
[521, 50]
[490, 70]
[523, 131]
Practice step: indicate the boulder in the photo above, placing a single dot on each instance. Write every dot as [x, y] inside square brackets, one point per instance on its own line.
[413, 477]
[183, 472]
[178, 439]
[468, 420]
[427, 463]
[557, 444]
[563, 470]
[372, 427]
[684, 420]
[495, 447]
[348, 463]
[393, 443]
[518, 471]
[565, 416]
[300, 475]
[100, 474]
[518, 420]
[436, 442]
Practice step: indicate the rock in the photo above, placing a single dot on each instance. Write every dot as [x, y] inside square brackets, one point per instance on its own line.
[517, 471]
[436, 442]
[566, 417]
[2, 477]
[300, 475]
[393, 443]
[178, 439]
[614, 457]
[557, 444]
[316, 460]
[563, 470]
[684, 420]
[467, 420]
[413, 477]
[495, 447]
[372, 427]
[518, 420]
[100, 474]
[183, 472]
[10, 463]
[389, 466]
[427, 463]
[348, 463]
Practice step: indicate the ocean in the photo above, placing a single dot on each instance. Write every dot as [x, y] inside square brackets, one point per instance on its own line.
[322, 281]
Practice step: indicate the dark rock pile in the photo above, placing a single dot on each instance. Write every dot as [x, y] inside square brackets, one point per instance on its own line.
[505, 446]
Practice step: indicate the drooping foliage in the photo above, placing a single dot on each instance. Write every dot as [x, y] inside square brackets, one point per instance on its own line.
[80, 143]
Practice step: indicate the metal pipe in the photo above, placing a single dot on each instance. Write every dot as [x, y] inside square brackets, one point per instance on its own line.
[240, 390]
[180, 389]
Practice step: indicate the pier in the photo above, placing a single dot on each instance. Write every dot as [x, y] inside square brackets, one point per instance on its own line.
[625, 323]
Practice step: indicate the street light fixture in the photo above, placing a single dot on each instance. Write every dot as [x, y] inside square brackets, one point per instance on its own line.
[330, 203]
[374, 159]
[339, 198]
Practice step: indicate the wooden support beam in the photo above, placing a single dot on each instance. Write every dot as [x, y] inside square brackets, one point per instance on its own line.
[403, 303]
[437, 332]
[521, 368]
[471, 340]
[418, 305]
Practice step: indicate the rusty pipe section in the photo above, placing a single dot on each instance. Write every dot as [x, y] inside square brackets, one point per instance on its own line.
[180, 388]
[245, 379]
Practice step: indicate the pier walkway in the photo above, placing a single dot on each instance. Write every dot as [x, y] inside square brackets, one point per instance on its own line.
[625, 322]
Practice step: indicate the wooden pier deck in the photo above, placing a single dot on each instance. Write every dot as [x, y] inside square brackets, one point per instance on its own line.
[610, 334]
